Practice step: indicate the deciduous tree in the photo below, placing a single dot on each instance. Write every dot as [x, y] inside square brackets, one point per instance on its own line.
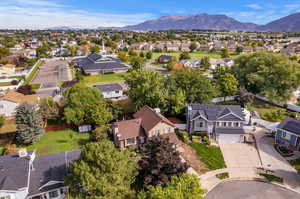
[185, 186]
[271, 75]
[102, 172]
[146, 88]
[160, 161]
[85, 105]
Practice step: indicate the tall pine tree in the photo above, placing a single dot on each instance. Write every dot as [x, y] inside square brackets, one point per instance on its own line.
[29, 123]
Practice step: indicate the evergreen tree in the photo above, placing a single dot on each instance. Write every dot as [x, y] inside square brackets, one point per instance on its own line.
[29, 123]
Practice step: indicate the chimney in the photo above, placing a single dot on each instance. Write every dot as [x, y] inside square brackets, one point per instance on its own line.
[22, 152]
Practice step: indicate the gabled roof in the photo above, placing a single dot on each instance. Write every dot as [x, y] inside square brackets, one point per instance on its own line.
[291, 125]
[50, 168]
[14, 172]
[129, 128]
[216, 112]
[150, 118]
[19, 97]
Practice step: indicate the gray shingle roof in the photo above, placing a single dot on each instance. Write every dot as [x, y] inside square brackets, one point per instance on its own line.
[290, 124]
[14, 171]
[109, 87]
[52, 167]
[216, 112]
[92, 62]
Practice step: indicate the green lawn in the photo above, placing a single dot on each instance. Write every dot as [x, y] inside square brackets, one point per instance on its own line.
[194, 55]
[296, 164]
[210, 155]
[267, 111]
[272, 178]
[33, 72]
[106, 78]
[59, 141]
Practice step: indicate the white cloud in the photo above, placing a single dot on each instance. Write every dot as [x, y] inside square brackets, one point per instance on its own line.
[254, 6]
[45, 13]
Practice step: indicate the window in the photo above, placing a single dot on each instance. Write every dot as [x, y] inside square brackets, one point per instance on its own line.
[142, 140]
[53, 194]
[156, 132]
[200, 124]
[229, 124]
[169, 130]
[130, 141]
[236, 124]
[117, 92]
[224, 124]
[284, 134]
[62, 191]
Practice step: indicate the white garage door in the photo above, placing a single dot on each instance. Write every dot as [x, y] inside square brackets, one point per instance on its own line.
[229, 138]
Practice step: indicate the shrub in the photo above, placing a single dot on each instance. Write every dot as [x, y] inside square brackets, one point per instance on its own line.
[100, 133]
[206, 140]
[197, 139]
[274, 116]
[14, 82]
[2, 120]
[183, 135]
[10, 149]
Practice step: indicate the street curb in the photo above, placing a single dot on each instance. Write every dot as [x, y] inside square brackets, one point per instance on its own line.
[252, 179]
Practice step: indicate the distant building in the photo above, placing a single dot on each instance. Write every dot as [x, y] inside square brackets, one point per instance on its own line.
[191, 63]
[95, 64]
[164, 59]
[110, 91]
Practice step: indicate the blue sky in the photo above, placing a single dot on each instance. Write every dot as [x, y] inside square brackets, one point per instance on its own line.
[94, 13]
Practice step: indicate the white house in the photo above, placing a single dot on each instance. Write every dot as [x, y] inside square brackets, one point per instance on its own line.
[11, 100]
[110, 91]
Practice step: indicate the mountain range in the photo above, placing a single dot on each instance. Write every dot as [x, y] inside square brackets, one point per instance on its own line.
[216, 22]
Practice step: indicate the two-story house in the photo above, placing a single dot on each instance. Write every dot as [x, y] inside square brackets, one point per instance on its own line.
[147, 122]
[223, 123]
[27, 176]
[288, 134]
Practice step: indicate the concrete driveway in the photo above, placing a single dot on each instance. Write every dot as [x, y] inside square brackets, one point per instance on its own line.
[241, 159]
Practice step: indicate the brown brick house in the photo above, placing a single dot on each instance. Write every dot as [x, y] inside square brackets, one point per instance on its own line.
[147, 122]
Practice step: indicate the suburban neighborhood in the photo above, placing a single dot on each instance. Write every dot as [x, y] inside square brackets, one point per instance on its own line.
[150, 112]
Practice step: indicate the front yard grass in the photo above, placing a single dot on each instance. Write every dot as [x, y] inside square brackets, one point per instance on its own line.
[222, 176]
[296, 164]
[272, 178]
[268, 112]
[59, 141]
[33, 72]
[105, 78]
[210, 155]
